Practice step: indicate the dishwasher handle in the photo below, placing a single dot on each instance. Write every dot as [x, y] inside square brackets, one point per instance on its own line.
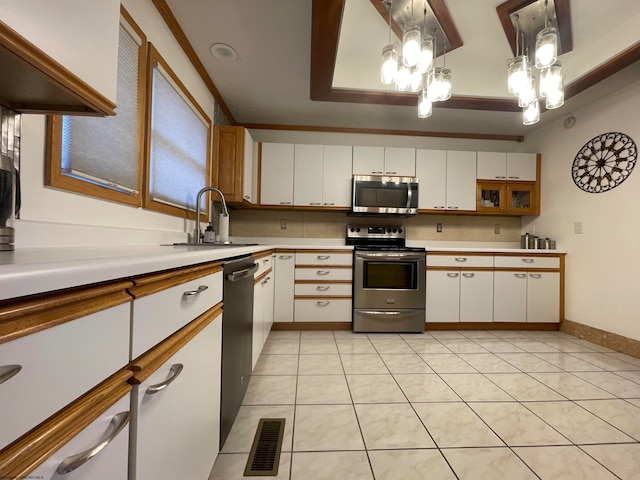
[242, 274]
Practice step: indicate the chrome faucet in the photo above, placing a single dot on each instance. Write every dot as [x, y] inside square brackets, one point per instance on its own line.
[225, 211]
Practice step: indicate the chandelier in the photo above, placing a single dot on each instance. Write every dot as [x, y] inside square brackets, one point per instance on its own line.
[520, 74]
[411, 65]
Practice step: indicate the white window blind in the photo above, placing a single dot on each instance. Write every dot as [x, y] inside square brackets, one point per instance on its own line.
[179, 139]
[105, 150]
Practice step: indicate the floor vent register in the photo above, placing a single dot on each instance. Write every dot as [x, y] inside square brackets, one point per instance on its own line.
[264, 458]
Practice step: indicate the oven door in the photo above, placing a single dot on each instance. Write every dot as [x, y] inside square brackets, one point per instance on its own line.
[389, 279]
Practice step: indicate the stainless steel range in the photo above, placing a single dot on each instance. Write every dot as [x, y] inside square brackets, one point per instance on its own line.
[389, 280]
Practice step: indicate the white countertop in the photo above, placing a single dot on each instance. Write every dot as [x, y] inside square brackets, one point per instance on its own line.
[29, 271]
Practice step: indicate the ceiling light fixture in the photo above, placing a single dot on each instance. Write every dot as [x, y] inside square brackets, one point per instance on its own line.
[521, 77]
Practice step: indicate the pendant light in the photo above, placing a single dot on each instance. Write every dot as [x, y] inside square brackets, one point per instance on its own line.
[403, 78]
[389, 68]
[425, 107]
[425, 61]
[517, 67]
[415, 80]
[531, 113]
[546, 43]
[411, 40]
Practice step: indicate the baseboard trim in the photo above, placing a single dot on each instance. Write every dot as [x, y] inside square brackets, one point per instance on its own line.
[427, 326]
[305, 326]
[610, 340]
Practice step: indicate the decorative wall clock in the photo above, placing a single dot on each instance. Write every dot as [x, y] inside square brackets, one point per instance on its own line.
[604, 162]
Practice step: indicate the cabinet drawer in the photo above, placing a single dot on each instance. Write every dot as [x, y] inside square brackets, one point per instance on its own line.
[324, 258]
[323, 274]
[264, 264]
[459, 260]
[527, 262]
[157, 316]
[58, 365]
[323, 310]
[323, 289]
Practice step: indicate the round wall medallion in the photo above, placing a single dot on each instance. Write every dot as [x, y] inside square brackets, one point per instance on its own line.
[604, 162]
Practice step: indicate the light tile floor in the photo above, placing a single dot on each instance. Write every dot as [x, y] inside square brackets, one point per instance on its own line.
[477, 405]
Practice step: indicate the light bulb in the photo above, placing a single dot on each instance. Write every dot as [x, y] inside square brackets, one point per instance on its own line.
[527, 96]
[411, 45]
[517, 74]
[445, 82]
[389, 68]
[531, 113]
[403, 78]
[415, 80]
[425, 107]
[546, 47]
[555, 96]
[425, 61]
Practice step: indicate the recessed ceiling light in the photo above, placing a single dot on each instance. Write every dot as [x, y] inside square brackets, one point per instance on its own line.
[222, 51]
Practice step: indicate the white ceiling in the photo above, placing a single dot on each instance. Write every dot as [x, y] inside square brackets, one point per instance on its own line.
[269, 81]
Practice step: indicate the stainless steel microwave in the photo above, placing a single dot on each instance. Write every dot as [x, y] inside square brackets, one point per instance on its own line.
[384, 195]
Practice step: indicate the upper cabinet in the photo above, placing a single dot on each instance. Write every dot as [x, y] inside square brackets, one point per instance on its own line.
[235, 165]
[59, 60]
[517, 167]
[276, 174]
[384, 161]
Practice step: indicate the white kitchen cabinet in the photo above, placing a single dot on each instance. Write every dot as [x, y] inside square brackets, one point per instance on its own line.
[60, 364]
[250, 170]
[284, 286]
[507, 166]
[461, 180]
[368, 160]
[308, 171]
[510, 296]
[323, 310]
[337, 176]
[443, 296]
[276, 167]
[176, 409]
[268, 286]
[257, 337]
[447, 180]
[384, 161]
[476, 296]
[82, 36]
[543, 297]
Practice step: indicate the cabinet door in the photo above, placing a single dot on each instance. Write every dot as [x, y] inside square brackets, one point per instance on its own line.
[491, 197]
[510, 297]
[178, 427]
[337, 176]
[492, 166]
[400, 161]
[521, 166]
[258, 330]
[307, 175]
[284, 287]
[368, 160]
[461, 180]
[268, 288]
[431, 170]
[476, 296]
[522, 199]
[443, 296]
[543, 297]
[250, 170]
[276, 185]
[110, 463]
[229, 144]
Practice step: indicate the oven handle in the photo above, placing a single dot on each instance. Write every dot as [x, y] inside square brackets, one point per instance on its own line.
[391, 312]
[390, 256]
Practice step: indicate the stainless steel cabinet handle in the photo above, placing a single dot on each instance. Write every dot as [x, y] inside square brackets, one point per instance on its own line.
[247, 197]
[322, 304]
[514, 177]
[377, 173]
[390, 173]
[174, 371]
[323, 272]
[452, 207]
[266, 260]
[191, 293]
[452, 275]
[8, 371]
[315, 203]
[322, 288]
[329, 203]
[69, 464]
[285, 257]
[535, 275]
[265, 281]
[468, 275]
[323, 257]
[461, 259]
[244, 273]
[502, 176]
[439, 206]
[520, 275]
[285, 203]
[528, 260]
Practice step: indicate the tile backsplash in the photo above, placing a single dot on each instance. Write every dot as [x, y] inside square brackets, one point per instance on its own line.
[308, 224]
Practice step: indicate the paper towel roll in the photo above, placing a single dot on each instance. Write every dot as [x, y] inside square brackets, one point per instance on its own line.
[223, 228]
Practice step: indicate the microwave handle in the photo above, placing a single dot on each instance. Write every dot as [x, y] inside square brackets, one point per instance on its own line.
[409, 194]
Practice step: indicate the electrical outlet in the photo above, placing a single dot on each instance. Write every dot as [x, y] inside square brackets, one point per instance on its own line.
[439, 227]
[283, 224]
[496, 229]
[578, 228]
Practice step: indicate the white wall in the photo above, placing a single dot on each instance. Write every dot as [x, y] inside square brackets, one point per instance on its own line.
[602, 264]
[51, 217]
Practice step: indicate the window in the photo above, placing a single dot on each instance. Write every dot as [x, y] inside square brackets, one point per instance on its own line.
[179, 136]
[102, 157]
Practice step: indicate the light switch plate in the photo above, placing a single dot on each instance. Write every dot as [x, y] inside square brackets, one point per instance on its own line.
[578, 228]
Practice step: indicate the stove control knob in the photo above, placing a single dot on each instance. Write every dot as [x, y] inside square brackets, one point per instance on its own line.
[400, 231]
[388, 230]
[352, 229]
[395, 230]
[358, 230]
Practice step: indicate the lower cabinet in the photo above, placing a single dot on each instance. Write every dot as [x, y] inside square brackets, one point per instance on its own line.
[323, 310]
[459, 296]
[525, 296]
[176, 406]
[284, 286]
[263, 290]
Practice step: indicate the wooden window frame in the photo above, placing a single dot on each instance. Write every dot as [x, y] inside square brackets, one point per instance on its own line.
[148, 203]
[54, 177]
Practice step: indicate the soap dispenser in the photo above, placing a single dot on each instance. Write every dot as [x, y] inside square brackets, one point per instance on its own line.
[209, 234]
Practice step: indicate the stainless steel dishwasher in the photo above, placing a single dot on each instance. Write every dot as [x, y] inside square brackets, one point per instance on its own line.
[237, 333]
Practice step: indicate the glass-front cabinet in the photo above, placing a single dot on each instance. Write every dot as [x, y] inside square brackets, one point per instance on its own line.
[507, 198]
